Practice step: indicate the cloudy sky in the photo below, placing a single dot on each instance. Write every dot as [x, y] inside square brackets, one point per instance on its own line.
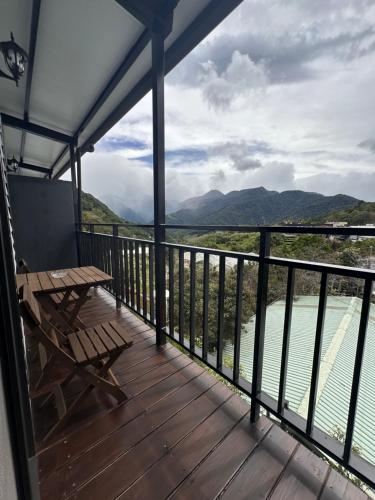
[280, 95]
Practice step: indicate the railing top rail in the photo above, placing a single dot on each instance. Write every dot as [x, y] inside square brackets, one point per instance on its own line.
[110, 235]
[328, 230]
[322, 267]
[213, 251]
[118, 224]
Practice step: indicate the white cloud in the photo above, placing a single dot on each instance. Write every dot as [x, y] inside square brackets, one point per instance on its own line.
[280, 95]
[241, 77]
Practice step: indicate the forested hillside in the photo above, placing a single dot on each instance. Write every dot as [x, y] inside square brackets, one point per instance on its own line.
[258, 206]
[96, 212]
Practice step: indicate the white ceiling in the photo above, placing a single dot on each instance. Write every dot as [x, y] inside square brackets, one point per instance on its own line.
[80, 44]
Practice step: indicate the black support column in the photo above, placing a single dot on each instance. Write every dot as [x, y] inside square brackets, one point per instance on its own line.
[75, 197]
[79, 187]
[158, 70]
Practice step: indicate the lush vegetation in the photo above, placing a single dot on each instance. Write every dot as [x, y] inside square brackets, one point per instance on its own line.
[96, 212]
[313, 248]
[361, 214]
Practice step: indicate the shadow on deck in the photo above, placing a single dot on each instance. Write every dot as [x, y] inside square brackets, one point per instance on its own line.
[181, 434]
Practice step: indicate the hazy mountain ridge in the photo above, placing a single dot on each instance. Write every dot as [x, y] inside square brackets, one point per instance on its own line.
[258, 206]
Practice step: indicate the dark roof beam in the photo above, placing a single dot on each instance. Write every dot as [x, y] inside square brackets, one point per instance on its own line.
[30, 67]
[156, 16]
[35, 168]
[33, 128]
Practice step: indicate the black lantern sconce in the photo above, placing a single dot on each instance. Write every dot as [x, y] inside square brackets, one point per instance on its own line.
[15, 59]
[12, 164]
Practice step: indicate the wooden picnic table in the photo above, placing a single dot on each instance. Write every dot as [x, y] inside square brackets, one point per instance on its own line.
[76, 279]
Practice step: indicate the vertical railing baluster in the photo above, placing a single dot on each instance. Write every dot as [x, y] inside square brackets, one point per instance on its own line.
[220, 314]
[144, 282]
[126, 262]
[171, 290]
[192, 299]
[260, 324]
[151, 281]
[131, 264]
[121, 259]
[366, 302]
[115, 265]
[286, 338]
[92, 254]
[137, 276]
[238, 320]
[181, 293]
[317, 353]
[206, 277]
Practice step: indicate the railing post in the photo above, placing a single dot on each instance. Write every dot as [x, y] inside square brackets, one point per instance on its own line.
[158, 70]
[260, 323]
[115, 265]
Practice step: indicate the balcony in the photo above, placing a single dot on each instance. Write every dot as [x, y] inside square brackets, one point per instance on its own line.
[181, 434]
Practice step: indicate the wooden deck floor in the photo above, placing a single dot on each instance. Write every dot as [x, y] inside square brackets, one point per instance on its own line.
[182, 435]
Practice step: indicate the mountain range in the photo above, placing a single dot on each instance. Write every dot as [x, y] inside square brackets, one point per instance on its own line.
[257, 206]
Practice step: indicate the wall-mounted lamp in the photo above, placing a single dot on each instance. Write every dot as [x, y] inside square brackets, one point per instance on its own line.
[12, 164]
[15, 59]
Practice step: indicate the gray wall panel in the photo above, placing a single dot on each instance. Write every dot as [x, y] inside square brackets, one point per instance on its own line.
[43, 222]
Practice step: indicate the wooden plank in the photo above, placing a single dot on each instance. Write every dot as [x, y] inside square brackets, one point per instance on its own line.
[33, 281]
[121, 332]
[67, 280]
[216, 471]
[56, 283]
[188, 453]
[122, 472]
[45, 281]
[89, 272]
[303, 477]
[77, 349]
[102, 274]
[338, 487]
[107, 341]
[76, 277]
[98, 344]
[87, 345]
[113, 335]
[21, 279]
[74, 444]
[264, 466]
[89, 277]
[81, 470]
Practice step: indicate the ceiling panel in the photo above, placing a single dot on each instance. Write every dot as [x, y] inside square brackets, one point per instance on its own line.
[40, 151]
[80, 44]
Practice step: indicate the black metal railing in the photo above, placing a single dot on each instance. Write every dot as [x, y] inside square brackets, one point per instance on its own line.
[189, 316]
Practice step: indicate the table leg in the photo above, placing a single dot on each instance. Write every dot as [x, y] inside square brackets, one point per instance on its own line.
[64, 301]
[82, 293]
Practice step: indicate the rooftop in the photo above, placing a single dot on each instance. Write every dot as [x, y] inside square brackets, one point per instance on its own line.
[339, 341]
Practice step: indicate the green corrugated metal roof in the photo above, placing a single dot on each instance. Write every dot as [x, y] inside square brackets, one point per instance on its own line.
[336, 371]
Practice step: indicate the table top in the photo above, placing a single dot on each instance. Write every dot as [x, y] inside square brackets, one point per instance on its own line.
[76, 277]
